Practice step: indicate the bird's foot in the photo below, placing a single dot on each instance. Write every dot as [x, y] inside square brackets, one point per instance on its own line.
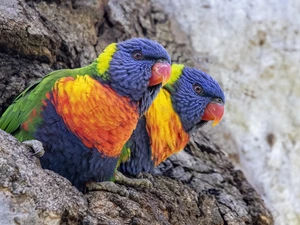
[144, 175]
[36, 146]
[107, 186]
[121, 179]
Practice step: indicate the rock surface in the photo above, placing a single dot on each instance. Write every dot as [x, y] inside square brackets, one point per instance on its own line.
[37, 37]
[207, 191]
[253, 49]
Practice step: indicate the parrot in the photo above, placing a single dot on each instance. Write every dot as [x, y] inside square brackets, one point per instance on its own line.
[84, 116]
[189, 100]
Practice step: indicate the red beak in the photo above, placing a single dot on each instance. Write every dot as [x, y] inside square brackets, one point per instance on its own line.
[213, 111]
[161, 72]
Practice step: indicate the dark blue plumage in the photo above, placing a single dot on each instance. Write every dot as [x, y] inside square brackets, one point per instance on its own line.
[140, 70]
[190, 105]
[139, 144]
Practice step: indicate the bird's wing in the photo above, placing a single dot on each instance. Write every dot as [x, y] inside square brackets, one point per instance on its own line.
[29, 102]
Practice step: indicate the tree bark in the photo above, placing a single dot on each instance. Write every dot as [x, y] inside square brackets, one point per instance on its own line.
[197, 186]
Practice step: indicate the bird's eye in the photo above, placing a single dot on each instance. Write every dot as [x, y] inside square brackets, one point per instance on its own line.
[138, 55]
[197, 88]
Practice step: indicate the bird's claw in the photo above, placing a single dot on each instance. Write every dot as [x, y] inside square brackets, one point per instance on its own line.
[36, 146]
[144, 175]
[108, 186]
[144, 183]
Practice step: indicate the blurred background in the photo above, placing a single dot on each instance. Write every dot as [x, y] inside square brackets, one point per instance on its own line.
[253, 49]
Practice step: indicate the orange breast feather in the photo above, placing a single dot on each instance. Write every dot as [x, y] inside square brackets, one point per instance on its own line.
[95, 113]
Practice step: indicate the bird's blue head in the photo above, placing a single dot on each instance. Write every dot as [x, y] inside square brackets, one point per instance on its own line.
[196, 97]
[136, 68]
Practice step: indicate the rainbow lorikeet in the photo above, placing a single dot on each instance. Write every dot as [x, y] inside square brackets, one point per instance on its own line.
[189, 100]
[84, 116]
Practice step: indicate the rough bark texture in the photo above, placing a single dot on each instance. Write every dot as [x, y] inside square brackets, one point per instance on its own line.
[39, 36]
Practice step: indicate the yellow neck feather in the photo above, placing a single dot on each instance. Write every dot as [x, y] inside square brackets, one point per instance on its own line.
[164, 128]
[176, 72]
[103, 61]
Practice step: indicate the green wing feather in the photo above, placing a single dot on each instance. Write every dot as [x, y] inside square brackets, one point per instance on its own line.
[125, 154]
[31, 98]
